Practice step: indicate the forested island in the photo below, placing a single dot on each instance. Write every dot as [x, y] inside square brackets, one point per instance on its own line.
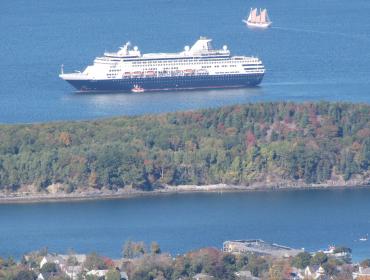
[261, 145]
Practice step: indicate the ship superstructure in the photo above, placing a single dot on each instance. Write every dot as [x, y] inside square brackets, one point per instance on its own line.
[199, 66]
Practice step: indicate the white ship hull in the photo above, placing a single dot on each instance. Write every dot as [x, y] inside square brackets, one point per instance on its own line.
[257, 25]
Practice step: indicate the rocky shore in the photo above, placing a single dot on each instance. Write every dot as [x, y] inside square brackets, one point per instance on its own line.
[56, 192]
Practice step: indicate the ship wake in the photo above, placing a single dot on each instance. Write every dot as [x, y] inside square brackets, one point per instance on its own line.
[312, 31]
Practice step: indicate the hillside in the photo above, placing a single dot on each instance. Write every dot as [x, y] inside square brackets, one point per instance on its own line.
[254, 144]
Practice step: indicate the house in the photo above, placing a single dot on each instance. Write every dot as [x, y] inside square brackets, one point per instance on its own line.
[340, 253]
[294, 274]
[62, 261]
[124, 275]
[317, 273]
[52, 259]
[202, 276]
[80, 258]
[73, 271]
[245, 275]
[98, 273]
[363, 273]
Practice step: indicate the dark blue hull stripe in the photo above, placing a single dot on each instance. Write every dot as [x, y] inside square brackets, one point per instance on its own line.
[169, 83]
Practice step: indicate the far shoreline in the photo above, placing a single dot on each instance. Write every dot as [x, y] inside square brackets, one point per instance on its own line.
[17, 198]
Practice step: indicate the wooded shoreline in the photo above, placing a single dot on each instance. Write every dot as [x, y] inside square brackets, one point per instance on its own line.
[175, 190]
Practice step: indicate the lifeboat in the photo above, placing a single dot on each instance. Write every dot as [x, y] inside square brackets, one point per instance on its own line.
[188, 71]
[137, 89]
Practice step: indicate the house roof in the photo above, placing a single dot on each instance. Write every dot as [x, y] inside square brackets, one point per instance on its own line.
[202, 276]
[99, 273]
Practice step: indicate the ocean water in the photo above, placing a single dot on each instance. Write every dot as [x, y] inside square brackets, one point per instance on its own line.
[309, 219]
[316, 50]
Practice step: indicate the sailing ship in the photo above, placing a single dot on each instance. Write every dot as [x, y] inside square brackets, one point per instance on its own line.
[258, 19]
[364, 238]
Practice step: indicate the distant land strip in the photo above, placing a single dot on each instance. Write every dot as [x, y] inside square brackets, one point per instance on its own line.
[259, 146]
[16, 197]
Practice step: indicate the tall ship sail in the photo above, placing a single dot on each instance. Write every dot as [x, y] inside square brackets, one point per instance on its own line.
[258, 19]
[197, 67]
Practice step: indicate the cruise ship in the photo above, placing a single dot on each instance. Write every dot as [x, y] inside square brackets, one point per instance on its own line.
[197, 67]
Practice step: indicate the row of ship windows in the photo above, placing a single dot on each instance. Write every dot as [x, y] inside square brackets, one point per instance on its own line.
[229, 65]
[160, 80]
[174, 68]
[183, 63]
[171, 68]
[179, 61]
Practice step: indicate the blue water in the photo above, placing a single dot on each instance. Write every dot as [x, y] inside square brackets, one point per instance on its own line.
[309, 219]
[316, 50]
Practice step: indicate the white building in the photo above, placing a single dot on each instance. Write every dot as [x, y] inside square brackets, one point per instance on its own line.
[362, 272]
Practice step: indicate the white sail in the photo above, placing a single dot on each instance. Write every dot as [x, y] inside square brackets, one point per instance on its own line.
[250, 15]
[253, 15]
[258, 19]
[263, 16]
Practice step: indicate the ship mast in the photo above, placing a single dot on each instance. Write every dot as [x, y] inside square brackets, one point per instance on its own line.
[267, 17]
[250, 15]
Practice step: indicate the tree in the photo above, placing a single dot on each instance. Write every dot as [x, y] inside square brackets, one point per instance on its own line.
[366, 153]
[276, 272]
[257, 265]
[154, 248]
[241, 261]
[113, 274]
[330, 267]
[133, 249]
[319, 258]
[94, 261]
[127, 250]
[365, 263]
[302, 260]
[9, 262]
[139, 249]
[72, 260]
[25, 275]
[65, 138]
[48, 270]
